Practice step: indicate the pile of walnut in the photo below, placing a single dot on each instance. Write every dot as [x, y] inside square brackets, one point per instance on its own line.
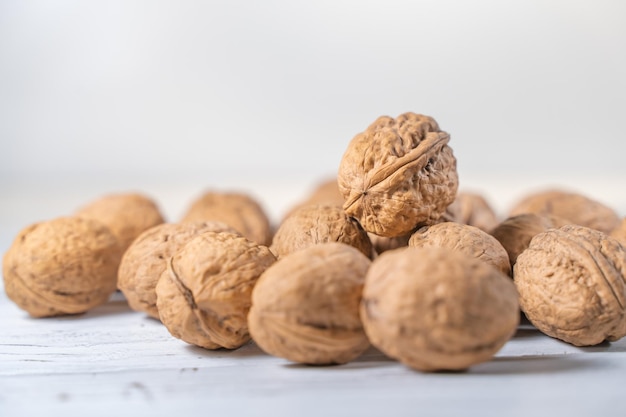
[388, 254]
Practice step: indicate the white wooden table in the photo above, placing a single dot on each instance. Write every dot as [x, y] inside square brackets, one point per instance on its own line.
[113, 361]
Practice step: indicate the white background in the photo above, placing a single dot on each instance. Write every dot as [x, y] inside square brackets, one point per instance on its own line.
[119, 95]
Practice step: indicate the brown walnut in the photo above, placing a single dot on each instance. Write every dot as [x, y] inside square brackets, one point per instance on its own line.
[574, 207]
[305, 307]
[314, 224]
[62, 266]
[463, 238]
[398, 174]
[515, 233]
[240, 211]
[203, 297]
[146, 258]
[571, 285]
[127, 215]
[434, 309]
[474, 210]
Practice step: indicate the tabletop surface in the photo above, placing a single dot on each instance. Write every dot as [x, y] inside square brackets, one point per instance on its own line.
[115, 361]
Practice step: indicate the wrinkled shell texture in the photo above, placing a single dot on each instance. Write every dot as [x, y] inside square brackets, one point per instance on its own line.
[576, 208]
[398, 174]
[434, 309]
[147, 257]
[305, 307]
[515, 233]
[473, 209]
[465, 239]
[619, 232]
[127, 215]
[203, 297]
[571, 285]
[237, 210]
[61, 266]
[314, 224]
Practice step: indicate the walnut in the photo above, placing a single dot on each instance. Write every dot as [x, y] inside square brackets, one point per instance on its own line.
[515, 233]
[319, 224]
[62, 266]
[571, 285]
[146, 258]
[203, 297]
[398, 174]
[576, 208]
[127, 215]
[325, 192]
[240, 211]
[463, 238]
[619, 232]
[473, 209]
[435, 309]
[305, 307]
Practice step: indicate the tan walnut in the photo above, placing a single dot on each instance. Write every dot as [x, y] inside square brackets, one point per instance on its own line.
[434, 309]
[126, 214]
[238, 210]
[515, 233]
[325, 192]
[473, 209]
[314, 224]
[398, 174]
[62, 266]
[305, 307]
[146, 258]
[463, 238]
[574, 207]
[203, 297]
[571, 285]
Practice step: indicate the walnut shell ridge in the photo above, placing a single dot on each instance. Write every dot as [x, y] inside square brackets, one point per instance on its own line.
[398, 174]
[572, 286]
[67, 265]
[203, 297]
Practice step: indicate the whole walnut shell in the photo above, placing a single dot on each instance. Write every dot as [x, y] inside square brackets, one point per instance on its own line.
[571, 285]
[474, 210]
[305, 307]
[515, 233]
[574, 207]
[203, 297]
[398, 174]
[240, 211]
[463, 238]
[146, 258]
[314, 224]
[435, 309]
[126, 214]
[62, 266]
